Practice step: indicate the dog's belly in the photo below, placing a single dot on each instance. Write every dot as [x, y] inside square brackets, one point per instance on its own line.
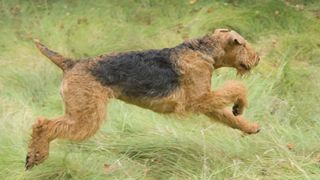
[164, 105]
[160, 106]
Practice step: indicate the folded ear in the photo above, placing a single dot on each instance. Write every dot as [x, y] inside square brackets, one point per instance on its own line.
[236, 38]
[221, 30]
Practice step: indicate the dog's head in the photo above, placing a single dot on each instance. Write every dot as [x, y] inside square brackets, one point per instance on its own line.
[236, 51]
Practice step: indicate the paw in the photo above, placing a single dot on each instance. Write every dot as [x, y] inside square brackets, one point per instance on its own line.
[253, 129]
[237, 110]
[38, 151]
[35, 157]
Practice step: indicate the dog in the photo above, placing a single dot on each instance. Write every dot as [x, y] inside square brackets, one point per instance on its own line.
[170, 80]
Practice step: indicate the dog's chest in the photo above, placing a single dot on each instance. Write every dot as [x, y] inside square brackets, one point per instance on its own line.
[196, 75]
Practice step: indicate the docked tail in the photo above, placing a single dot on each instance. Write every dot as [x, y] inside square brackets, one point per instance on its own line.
[62, 62]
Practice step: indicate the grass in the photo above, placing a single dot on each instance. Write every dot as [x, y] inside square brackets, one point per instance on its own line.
[136, 143]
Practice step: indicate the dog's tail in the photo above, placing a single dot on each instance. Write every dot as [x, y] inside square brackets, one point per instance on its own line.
[62, 62]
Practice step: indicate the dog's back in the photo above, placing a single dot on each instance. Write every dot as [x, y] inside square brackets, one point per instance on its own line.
[148, 73]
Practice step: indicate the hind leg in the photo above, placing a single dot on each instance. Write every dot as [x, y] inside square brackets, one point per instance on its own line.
[84, 113]
[45, 131]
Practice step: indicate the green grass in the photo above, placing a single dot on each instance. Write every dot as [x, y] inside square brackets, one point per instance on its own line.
[137, 143]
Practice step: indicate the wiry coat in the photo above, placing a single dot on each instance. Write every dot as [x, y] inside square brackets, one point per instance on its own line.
[149, 73]
[170, 80]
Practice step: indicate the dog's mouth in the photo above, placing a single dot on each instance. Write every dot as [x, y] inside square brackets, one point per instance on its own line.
[243, 69]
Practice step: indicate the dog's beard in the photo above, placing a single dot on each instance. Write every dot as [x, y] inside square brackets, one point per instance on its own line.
[242, 73]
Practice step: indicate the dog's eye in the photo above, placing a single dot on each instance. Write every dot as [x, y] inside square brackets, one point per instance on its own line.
[244, 66]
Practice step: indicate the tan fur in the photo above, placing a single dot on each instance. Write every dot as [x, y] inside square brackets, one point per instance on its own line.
[85, 98]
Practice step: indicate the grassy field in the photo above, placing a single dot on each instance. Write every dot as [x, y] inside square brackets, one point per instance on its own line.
[135, 143]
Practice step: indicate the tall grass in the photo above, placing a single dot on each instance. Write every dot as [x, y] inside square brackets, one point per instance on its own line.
[136, 143]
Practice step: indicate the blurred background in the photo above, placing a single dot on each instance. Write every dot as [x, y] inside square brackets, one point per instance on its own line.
[135, 143]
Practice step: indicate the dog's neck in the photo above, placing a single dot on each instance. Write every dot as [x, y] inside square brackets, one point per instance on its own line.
[209, 47]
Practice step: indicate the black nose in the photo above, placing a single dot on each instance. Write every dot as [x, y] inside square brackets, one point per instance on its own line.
[257, 60]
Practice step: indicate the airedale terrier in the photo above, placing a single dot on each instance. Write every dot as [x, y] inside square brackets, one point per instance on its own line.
[169, 80]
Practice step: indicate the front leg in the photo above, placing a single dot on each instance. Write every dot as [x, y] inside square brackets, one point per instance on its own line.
[232, 92]
[213, 104]
[238, 122]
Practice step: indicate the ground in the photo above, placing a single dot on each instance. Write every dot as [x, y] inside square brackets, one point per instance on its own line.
[139, 144]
